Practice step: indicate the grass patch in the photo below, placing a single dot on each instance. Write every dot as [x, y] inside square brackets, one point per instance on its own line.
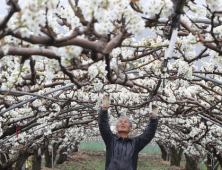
[92, 146]
[100, 146]
[151, 149]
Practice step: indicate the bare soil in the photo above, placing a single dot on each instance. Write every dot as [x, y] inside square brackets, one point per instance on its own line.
[95, 160]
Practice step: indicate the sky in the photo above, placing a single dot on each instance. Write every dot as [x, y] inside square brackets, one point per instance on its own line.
[146, 33]
[3, 7]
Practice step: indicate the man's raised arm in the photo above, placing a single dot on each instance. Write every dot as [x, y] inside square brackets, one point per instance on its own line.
[103, 121]
[142, 140]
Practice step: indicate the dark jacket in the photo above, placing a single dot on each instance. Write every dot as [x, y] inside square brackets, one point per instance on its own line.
[123, 154]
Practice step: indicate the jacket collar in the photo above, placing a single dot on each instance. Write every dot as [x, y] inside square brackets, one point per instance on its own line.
[119, 137]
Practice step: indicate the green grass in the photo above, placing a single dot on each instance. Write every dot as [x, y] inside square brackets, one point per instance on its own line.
[204, 167]
[100, 146]
[151, 149]
[92, 146]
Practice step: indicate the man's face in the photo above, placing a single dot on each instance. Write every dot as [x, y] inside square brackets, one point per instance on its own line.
[123, 126]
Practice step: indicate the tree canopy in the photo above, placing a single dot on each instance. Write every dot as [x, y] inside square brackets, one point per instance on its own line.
[58, 58]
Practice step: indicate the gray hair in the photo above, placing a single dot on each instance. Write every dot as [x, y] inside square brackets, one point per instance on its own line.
[125, 117]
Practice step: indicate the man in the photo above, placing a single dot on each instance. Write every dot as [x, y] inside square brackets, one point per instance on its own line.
[122, 151]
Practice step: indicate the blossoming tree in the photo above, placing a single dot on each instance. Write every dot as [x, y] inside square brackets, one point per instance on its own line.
[58, 58]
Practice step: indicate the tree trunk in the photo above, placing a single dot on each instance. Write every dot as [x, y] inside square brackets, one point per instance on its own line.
[191, 162]
[36, 161]
[219, 156]
[20, 162]
[3, 160]
[176, 155]
[216, 163]
[164, 155]
[76, 147]
[48, 158]
[213, 151]
[62, 157]
[48, 155]
[208, 163]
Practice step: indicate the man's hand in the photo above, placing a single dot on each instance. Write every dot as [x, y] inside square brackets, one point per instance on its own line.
[155, 110]
[105, 102]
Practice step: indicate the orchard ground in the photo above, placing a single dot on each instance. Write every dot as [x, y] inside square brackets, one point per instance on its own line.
[91, 156]
[95, 160]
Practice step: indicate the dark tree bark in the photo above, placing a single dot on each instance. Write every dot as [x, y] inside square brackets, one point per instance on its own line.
[48, 158]
[209, 167]
[216, 163]
[213, 151]
[48, 155]
[164, 155]
[208, 163]
[218, 156]
[36, 161]
[62, 157]
[20, 162]
[176, 155]
[191, 162]
[76, 147]
[3, 160]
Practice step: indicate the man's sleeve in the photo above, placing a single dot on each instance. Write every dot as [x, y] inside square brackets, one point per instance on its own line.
[104, 126]
[142, 140]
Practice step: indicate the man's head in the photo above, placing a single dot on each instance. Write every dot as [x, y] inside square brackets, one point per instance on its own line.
[124, 124]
